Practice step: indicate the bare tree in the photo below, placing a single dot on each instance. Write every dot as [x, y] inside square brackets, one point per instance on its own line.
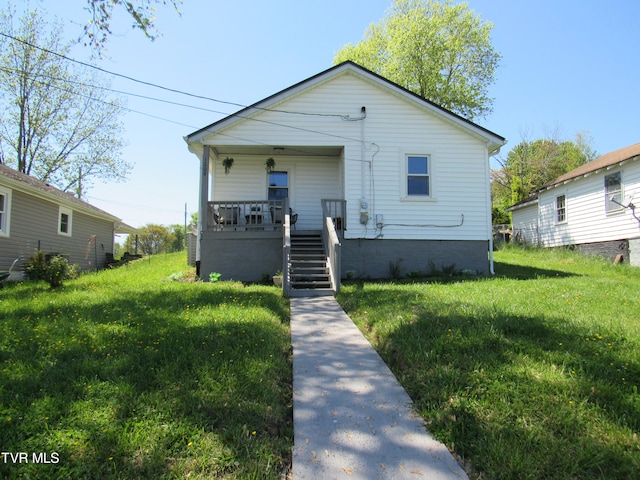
[57, 122]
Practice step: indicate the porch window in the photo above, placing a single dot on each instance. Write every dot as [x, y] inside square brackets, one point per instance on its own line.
[561, 209]
[418, 177]
[64, 221]
[278, 185]
[613, 192]
[5, 201]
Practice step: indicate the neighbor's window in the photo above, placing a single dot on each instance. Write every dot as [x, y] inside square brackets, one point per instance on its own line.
[418, 178]
[613, 192]
[64, 221]
[561, 208]
[278, 185]
[5, 201]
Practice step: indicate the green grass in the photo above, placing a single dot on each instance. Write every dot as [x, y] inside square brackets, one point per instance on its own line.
[531, 374]
[129, 373]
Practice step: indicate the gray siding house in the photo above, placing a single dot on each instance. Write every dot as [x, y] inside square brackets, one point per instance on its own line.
[344, 174]
[35, 215]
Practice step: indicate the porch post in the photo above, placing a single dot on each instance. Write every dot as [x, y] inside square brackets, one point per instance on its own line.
[204, 198]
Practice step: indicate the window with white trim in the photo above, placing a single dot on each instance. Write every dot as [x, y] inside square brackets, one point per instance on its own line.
[613, 192]
[65, 220]
[5, 206]
[278, 185]
[561, 209]
[418, 176]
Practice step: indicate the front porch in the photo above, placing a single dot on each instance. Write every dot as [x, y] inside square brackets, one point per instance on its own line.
[268, 215]
[251, 240]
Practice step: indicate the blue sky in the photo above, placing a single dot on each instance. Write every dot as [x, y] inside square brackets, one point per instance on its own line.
[568, 66]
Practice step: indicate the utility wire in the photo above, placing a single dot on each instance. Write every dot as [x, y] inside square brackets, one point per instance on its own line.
[343, 117]
[168, 89]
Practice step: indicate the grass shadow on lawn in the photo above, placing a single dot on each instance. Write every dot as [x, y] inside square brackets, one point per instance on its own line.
[525, 272]
[167, 383]
[520, 396]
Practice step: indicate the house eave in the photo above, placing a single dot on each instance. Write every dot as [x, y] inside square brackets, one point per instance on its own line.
[523, 204]
[596, 166]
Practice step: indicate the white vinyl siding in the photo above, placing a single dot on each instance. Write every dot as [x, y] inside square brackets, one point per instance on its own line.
[525, 224]
[374, 150]
[589, 221]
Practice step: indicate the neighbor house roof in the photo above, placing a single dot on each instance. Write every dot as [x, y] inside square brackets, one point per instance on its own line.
[494, 141]
[530, 200]
[20, 181]
[607, 160]
[611, 159]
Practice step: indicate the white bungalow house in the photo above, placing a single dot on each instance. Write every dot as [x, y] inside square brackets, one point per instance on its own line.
[388, 183]
[591, 208]
[36, 216]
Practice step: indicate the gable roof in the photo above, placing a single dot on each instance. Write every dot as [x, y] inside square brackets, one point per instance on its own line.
[29, 184]
[607, 160]
[494, 141]
[611, 159]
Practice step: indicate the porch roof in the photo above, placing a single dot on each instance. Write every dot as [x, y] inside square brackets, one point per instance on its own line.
[280, 150]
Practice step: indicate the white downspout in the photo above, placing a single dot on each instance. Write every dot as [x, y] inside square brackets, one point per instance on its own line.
[363, 174]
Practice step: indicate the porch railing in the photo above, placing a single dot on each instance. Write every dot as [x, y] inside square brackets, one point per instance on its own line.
[336, 210]
[333, 248]
[286, 255]
[246, 215]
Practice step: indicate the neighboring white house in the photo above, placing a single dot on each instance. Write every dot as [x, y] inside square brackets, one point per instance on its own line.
[591, 207]
[404, 182]
[34, 215]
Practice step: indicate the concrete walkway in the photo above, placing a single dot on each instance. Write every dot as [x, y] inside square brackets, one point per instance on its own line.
[351, 417]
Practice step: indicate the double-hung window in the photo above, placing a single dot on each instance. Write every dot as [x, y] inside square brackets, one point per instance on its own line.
[278, 185]
[613, 192]
[561, 209]
[5, 205]
[418, 176]
[65, 219]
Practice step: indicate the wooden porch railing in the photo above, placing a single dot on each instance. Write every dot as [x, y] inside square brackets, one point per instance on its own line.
[286, 255]
[246, 215]
[333, 211]
[336, 209]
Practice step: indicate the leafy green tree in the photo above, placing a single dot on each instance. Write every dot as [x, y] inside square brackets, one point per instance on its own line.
[532, 164]
[56, 121]
[142, 13]
[154, 239]
[177, 237]
[439, 50]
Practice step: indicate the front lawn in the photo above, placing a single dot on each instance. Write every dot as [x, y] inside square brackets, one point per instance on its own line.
[131, 373]
[531, 374]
